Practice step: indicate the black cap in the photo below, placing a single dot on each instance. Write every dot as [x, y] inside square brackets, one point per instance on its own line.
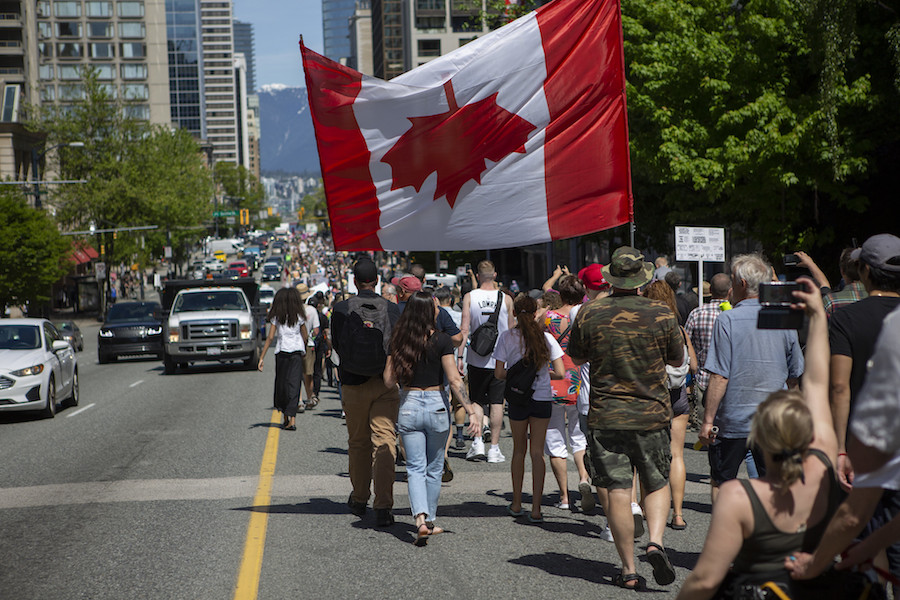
[365, 271]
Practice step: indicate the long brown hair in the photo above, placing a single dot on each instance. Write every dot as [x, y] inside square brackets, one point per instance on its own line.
[287, 307]
[409, 339]
[536, 351]
[660, 290]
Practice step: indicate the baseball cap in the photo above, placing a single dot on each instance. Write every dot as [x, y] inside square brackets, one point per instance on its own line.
[881, 251]
[409, 283]
[592, 277]
[365, 271]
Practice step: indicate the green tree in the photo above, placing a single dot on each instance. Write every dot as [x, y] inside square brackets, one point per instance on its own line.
[33, 253]
[136, 174]
[240, 188]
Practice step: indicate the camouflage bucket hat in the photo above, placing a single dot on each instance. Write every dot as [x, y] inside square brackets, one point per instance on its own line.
[628, 270]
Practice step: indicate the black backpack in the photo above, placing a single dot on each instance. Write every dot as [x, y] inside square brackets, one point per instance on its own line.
[519, 379]
[484, 338]
[365, 336]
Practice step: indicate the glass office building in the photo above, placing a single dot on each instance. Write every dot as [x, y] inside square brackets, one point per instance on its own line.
[185, 65]
[336, 16]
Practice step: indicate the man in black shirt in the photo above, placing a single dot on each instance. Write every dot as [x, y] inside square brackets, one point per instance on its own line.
[370, 407]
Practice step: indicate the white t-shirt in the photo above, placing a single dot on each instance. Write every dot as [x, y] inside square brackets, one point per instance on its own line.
[481, 306]
[510, 348]
[288, 339]
[312, 318]
[874, 421]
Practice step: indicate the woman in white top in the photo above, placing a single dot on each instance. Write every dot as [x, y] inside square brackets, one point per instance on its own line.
[529, 420]
[287, 325]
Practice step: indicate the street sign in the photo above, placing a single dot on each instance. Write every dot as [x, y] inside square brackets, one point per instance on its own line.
[312, 228]
[229, 220]
[705, 244]
[225, 213]
[263, 214]
[167, 251]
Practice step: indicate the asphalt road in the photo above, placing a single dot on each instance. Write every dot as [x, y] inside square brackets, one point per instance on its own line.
[146, 490]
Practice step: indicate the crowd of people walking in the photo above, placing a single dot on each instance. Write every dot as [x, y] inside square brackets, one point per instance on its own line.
[612, 364]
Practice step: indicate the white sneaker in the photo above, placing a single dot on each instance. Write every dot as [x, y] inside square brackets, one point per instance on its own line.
[606, 535]
[638, 515]
[476, 450]
[495, 456]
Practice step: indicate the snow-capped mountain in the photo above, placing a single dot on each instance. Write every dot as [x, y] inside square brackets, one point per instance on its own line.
[287, 141]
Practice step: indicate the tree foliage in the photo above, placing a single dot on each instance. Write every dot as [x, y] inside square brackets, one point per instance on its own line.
[33, 253]
[136, 174]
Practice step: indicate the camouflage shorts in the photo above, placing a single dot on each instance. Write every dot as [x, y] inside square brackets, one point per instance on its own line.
[615, 454]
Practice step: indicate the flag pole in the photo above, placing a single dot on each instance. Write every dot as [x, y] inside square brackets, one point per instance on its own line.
[631, 228]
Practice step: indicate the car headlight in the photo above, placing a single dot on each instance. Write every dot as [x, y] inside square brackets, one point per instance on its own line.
[154, 330]
[106, 333]
[245, 332]
[173, 335]
[33, 370]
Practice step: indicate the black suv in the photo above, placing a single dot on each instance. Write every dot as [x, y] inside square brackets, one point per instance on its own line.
[130, 328]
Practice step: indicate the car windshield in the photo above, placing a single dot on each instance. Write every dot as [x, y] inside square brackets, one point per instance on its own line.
[64, 326]
[271, 267]
[130, 312]
[266, 293]
[19, 337]
[215, 300]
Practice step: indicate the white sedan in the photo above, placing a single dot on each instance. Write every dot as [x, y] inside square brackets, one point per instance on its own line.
[38, 367]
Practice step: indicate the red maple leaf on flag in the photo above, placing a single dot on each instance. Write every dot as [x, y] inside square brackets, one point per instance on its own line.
[455, 144]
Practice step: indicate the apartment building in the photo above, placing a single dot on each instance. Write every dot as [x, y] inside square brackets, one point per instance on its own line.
[217, 45]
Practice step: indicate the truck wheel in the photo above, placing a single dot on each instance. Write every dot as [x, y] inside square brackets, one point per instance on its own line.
[252, 361]
[168, 365]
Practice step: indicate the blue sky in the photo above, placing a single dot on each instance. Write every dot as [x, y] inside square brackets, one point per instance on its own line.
[277, 27]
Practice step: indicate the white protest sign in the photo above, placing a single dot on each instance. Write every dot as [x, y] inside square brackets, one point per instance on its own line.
[705, 244]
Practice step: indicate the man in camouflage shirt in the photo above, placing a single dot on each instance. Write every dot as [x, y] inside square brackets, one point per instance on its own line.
[629, 339]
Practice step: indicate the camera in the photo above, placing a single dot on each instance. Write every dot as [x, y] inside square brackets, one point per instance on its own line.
[776, 299]
[791, 260]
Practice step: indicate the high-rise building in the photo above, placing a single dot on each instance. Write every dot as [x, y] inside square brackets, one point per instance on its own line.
[186, 98]
[335, 16]
[46, 46]
[390, 47]
[218, 78]
[240, 109]
[253, 131]
[361, 38]
[437, 27]
[244, 43]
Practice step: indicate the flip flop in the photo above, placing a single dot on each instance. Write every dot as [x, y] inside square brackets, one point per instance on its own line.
[663, 572]
[677, 527]
[534, 520]
[513, 513]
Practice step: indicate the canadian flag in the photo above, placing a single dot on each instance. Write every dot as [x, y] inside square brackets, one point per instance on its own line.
[516, 138]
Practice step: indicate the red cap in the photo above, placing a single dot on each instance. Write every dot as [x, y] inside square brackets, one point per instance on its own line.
[409, 283]
[592, 277]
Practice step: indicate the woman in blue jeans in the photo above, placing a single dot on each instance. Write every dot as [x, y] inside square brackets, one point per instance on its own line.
[420, 358]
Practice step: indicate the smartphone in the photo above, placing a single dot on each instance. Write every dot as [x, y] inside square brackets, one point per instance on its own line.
[468, 267]
[791, 260]
[780, 293]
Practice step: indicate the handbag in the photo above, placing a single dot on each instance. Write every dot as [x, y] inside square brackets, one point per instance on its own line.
[678, 375]
[484, 338]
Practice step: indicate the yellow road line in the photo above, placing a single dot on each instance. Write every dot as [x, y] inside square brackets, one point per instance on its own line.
[251, 562]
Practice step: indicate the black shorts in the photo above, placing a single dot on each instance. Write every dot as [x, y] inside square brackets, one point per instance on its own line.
[680, 404]
[535, 409]
[484, 388]
[725, 457]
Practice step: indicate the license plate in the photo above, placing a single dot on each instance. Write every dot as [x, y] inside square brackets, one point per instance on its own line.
[213, 351]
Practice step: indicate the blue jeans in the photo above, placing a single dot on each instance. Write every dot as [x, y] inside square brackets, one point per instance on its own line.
[424, 424]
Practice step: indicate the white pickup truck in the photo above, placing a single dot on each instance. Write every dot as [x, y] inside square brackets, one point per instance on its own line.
[209, 322]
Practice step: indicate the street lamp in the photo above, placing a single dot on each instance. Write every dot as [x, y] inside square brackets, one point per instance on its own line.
[35, 160]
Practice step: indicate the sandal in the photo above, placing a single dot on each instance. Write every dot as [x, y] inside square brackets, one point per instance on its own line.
[422, 535]
[433, 529]
[677, 527]
[513, 513]
[663, 572]
[623, 579]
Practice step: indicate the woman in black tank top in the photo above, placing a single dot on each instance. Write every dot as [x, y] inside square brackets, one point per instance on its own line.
[420, 358]
[757, 524]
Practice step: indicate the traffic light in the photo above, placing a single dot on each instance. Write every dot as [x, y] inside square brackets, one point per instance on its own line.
[245, 216]
[300, 212]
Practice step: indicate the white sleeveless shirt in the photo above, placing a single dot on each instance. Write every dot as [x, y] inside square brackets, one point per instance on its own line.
[481, 306]
[289, 339]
